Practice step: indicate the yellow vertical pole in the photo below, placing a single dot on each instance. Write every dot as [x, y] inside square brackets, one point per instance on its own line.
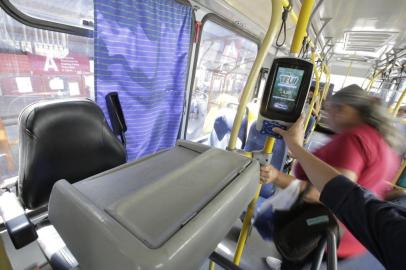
[327, 84]
[320, 100]
[212, 265]
[373, 79]
[399, 103]
[348, 74]
[300, 33]
[242, 239]
[316, 88]
[325, 87]
[300, 30]
[276, 19]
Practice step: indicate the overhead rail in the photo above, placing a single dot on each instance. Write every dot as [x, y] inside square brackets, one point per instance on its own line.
[325, 22]
[327, 43]
[400, 53]
[386, 64]
[375, 77]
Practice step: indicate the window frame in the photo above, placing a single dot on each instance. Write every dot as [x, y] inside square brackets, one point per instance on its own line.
[229, 26]
[25, 19]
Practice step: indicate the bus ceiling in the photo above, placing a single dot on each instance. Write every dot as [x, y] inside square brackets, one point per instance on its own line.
[370, 30]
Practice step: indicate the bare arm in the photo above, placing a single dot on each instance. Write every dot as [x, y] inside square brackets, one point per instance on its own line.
[294, 136]
[313, 195]
[317, 170]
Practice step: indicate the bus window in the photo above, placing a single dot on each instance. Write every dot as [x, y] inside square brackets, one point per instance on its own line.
[76, 13]
[37, 64]
[224, 62]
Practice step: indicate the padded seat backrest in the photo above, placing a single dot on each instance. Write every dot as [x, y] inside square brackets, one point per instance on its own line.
[63, 139]
[223, 125]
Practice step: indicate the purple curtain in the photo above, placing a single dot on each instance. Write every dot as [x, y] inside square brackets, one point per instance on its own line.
[142, 52]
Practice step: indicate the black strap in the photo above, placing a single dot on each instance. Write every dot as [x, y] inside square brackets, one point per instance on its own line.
[305, 47]
[285, 13]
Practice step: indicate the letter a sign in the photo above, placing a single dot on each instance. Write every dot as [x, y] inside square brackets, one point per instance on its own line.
[50, 64]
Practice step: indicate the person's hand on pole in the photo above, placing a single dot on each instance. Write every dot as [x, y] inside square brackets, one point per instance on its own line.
[268, 174]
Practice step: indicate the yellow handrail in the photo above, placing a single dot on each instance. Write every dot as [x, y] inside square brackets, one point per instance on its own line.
[276, 19]
[294, 18]
[212, 265]
[373, 79]
[399, 103]
[295, 49]
[274, 24]
[348, 74]
[300, 30]
[327, 84]
[316, 89]
[242, 239]
[320, 100]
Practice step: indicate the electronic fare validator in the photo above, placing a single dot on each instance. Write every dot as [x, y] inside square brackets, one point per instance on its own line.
[284, 95]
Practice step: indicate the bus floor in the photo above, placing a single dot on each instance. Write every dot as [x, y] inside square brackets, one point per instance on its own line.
[255, 252]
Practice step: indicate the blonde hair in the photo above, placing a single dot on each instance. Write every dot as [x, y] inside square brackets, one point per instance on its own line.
[372, 112]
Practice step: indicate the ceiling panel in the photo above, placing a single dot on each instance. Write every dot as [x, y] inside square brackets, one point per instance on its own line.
[387, 17]
[383, 22]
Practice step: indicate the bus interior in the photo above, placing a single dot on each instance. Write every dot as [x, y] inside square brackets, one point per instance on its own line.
[128, 135]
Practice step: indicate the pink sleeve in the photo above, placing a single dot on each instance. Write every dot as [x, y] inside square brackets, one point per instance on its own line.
[344, 152]
[347, 153]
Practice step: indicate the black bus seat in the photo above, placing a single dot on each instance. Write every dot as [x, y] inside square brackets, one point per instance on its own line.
[60, 139]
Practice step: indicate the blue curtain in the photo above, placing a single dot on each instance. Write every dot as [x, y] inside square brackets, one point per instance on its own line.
[142, 52]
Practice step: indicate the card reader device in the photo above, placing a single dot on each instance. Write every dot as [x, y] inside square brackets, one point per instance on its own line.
[284, 95]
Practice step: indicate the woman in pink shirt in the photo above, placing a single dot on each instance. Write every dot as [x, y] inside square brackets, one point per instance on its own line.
[362, 150]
